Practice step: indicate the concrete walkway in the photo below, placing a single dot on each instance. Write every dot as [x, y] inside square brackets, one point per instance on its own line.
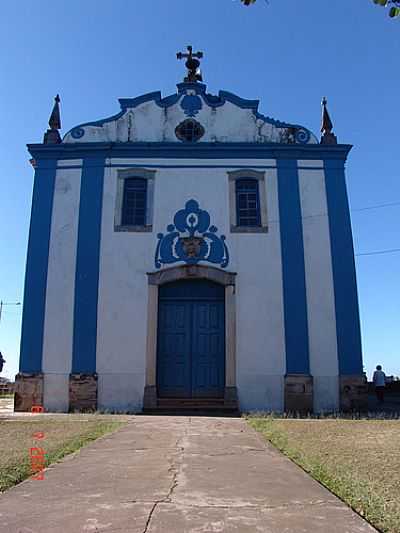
[6, 407]
[176, 475]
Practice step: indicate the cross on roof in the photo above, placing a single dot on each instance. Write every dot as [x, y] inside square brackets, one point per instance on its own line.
[192, 64]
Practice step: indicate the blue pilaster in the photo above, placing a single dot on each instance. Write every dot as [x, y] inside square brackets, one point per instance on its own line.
[87, 266]
[344, 272]
[36, 267]
[293, 269]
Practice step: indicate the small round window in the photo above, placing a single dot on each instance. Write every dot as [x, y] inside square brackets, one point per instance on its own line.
[189, 130]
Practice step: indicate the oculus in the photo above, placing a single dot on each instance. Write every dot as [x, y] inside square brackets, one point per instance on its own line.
[189, 130]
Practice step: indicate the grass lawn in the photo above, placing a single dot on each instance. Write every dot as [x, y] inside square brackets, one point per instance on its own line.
[57, 436]
[358, 460]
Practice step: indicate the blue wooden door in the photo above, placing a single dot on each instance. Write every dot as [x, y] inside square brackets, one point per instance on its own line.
[208, 349]
[173, 368]
[191, 340]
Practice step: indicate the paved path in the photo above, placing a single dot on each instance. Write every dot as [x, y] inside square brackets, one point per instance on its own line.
[176, 475]
[6, 407]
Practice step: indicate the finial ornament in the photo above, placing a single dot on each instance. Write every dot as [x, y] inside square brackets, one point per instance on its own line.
[52, 135]
[55, 120]
[192, 64]
[328, 137]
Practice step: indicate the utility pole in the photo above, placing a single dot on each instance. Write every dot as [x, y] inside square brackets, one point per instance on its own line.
[6, 303]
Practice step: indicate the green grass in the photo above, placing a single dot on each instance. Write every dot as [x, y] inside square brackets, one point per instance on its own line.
[62, 435]
[358, 460]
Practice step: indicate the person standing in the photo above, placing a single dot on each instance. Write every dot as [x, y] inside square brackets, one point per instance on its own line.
[2, 361]
[379, 380]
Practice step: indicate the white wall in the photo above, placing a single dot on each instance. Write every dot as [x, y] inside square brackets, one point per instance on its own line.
[261, 360]
[58, 326]
[319, 287]
[126, 257]
[122, 305]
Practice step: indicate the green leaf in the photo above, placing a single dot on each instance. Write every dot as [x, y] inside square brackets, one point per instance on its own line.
[394, 12]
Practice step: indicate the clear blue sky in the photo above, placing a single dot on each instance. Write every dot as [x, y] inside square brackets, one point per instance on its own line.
[287, 53]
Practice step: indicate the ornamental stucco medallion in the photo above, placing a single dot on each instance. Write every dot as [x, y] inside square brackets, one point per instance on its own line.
[191, 238]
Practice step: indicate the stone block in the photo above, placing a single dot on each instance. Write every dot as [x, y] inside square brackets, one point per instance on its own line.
[353, 393]
[28, 391]
[298, 393]
[150, 397]
[82, 392]
[191, 271]
[231, 398]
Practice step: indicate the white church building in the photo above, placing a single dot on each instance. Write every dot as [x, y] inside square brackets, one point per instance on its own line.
[190, 252]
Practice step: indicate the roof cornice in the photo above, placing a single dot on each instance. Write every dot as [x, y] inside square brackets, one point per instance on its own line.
[190, 151]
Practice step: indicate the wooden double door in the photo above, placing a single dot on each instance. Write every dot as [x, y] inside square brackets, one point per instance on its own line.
[191, 340]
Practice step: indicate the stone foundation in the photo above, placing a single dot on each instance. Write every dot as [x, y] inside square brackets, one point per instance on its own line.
[28, 391]
[82, 392]
[150, 397]
[353, 393]
[298, 393]
[231, 398]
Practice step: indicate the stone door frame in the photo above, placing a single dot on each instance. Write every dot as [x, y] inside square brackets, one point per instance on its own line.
[183, 272]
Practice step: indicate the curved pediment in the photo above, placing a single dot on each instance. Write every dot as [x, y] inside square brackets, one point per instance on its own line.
[190, 115]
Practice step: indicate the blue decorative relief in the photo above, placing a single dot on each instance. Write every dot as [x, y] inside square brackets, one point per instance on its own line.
[302, 136]
[191, 104]
[77, 133]
[191, 239]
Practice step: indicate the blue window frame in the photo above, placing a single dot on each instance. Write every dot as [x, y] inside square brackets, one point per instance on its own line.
[134, 204]
[247, 203]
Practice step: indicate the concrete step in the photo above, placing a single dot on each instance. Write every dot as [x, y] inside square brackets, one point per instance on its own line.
[190, 401]
[191, 412]
[193, 406]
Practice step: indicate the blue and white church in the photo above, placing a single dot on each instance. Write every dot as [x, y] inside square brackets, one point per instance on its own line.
[190, 252]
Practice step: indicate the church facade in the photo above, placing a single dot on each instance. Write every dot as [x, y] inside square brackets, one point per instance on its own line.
[190, 250]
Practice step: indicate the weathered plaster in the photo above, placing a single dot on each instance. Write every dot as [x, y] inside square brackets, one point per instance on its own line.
[147, 119]
[56, 392]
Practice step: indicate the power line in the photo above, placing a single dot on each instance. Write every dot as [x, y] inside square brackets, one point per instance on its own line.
[367, 208]
[378, 252]
[378, 206]
[2, 304]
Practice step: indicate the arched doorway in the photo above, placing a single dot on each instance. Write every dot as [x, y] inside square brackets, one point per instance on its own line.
[218, 282]
[191, 339]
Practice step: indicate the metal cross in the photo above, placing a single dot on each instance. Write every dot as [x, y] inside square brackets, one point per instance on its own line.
[192, 64]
